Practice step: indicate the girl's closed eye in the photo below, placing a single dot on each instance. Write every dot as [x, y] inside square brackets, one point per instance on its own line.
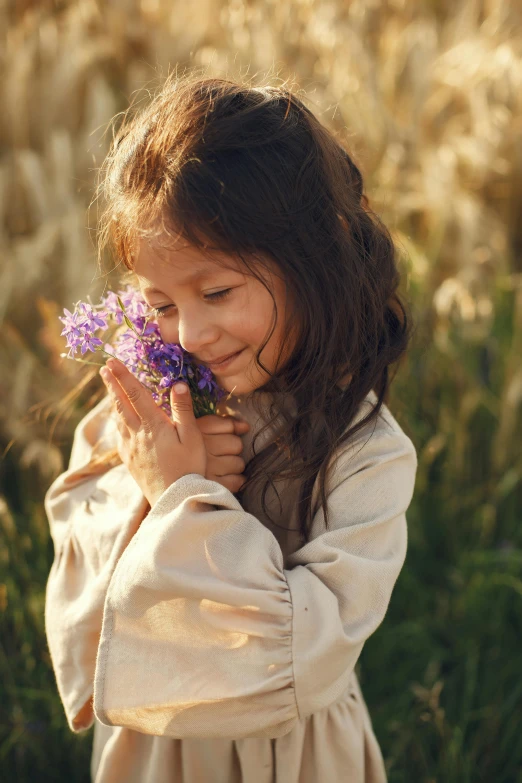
[217, 295]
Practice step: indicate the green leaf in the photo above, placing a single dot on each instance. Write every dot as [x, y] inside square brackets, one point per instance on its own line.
[130, 324]
[127, 320]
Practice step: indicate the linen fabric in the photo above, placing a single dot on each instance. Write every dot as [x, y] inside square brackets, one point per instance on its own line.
[206, 642]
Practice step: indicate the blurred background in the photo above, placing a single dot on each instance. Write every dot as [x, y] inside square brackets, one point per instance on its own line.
[427, 94]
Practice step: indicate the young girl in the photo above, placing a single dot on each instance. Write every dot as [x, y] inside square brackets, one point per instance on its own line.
[214, 584]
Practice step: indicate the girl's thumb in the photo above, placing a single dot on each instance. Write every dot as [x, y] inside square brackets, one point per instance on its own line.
[182, 409]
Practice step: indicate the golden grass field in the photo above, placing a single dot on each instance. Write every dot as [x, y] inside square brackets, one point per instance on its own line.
[428, 97]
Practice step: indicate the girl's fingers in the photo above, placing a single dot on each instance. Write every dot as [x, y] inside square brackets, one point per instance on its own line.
[218, 445]
[240, 427]
[225, 466]
[137, 397]
[125, 411]
[212, 424]
[233, 482]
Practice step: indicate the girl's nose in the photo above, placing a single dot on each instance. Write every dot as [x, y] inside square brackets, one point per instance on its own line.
[194, 334]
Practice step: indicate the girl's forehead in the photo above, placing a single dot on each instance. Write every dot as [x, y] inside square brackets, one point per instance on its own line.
[178, 263]
[181, 263]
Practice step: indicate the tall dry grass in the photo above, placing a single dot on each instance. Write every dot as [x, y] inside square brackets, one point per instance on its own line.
[428, 95]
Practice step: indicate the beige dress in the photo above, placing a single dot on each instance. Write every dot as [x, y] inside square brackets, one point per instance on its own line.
[205, 643]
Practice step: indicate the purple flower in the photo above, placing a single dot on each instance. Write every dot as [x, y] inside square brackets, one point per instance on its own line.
[70, 322]
[111, 306]
[136, 309]
[90, 343]
[156, 364]
[79, 327]
[206, 379]
[92, 320]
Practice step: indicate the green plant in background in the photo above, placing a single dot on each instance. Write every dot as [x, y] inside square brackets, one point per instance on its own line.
[429, 96]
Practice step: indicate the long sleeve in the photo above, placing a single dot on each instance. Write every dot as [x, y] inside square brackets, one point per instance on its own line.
[206, 633]
[92, 517]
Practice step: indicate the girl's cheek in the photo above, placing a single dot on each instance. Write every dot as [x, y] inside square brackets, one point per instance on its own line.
[236, 320]
[249, 320]
[168, 327]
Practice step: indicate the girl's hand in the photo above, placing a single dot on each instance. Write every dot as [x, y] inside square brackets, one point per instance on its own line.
[156, 450]
[223, 445]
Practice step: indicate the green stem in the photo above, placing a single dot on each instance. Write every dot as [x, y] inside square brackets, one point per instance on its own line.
[107, 353]
[86, 361]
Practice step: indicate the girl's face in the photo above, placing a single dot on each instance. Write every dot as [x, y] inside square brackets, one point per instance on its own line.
[214, 310]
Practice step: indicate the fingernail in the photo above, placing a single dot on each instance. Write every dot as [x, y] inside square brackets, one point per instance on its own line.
[105, 373]
[180, 388]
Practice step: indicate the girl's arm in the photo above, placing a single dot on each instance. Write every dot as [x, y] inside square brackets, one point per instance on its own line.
[92, 517]
[93, 514]
[206, 633]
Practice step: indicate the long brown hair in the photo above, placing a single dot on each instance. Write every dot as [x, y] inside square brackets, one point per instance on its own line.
[250, 171]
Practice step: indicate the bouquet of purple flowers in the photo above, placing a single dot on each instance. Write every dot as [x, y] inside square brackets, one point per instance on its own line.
[156, 364]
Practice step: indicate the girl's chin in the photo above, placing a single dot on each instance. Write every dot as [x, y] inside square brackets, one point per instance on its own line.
[237, 384]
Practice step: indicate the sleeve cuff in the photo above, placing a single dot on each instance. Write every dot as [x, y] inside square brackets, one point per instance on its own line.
[196, 487]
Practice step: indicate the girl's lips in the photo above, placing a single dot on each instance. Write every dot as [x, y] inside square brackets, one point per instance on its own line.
[226, 362]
